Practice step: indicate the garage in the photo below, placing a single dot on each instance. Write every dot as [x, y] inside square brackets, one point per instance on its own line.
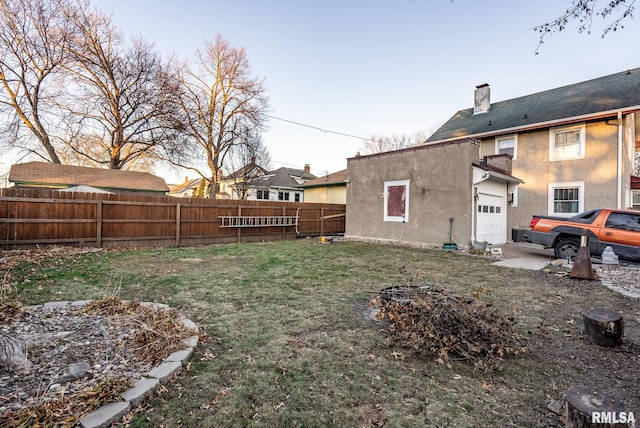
[490, 219]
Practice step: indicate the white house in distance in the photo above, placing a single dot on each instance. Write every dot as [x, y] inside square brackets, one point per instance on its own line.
[252, 182]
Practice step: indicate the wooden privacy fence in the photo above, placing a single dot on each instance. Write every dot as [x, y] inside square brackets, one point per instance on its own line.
[30, 217]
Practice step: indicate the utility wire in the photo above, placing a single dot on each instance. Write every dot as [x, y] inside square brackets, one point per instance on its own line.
[324, 131]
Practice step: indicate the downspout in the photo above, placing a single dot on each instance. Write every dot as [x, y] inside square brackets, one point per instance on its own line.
[620, 134]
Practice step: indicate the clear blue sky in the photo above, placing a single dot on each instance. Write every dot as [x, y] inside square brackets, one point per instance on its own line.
[364, 67]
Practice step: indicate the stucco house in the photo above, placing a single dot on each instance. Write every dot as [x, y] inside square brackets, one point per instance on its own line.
[572, 146]
[83, 179]
[328, 189]
[419, 194]
[491, 167]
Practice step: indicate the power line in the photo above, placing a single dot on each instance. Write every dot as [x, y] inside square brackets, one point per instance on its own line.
[324, 131]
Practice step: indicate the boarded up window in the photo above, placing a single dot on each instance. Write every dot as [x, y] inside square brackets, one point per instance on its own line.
[396, 201]
[397, 197]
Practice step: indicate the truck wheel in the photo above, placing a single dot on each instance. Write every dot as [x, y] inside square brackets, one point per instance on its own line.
[566, 249]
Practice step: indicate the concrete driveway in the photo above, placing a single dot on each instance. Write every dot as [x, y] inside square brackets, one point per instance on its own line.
[525, 256]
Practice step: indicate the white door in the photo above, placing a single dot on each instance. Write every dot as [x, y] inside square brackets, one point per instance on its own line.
[490, 219]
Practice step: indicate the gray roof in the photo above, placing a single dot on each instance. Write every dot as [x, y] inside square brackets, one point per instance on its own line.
[579, 101]
[282, 177]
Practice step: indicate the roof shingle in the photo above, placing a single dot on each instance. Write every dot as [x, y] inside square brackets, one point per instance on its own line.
[50, 174]
[605, 94]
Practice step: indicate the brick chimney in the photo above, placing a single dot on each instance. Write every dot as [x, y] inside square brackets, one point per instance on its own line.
[481, 99]
[307, 168]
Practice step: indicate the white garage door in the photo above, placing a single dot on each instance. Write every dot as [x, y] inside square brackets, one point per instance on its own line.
[490, 219]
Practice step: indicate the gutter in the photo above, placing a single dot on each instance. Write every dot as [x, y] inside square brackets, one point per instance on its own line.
[334, 184]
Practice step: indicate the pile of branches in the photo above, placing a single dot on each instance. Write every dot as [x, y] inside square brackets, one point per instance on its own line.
[438, 324]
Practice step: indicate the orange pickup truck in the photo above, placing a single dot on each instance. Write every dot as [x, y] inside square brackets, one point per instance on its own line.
[618, 229]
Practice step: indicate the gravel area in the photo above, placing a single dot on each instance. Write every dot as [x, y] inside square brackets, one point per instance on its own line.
[70, 352]
[624, 279]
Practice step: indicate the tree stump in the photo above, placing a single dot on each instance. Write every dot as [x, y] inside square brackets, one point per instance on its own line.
[591, 407]
[12, 355]
[603, 326]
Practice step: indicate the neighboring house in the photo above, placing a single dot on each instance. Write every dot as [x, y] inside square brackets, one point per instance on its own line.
[572, 146]
[282, 184]
[187, 189]
[252, 182]
[239, 183]
[330, 189]
[65, 177]
[419, 194]
[199, 188]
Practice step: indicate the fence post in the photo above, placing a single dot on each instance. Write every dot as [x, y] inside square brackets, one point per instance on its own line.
[238, 238]
[99, 224]
[177, 225]
[284, 229]
[322, 221]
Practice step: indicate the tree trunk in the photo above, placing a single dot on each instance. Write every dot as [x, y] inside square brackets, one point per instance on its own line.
[590, 407]
[604, 327]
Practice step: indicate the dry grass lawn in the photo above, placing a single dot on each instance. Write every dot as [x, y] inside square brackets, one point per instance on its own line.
[289, 340]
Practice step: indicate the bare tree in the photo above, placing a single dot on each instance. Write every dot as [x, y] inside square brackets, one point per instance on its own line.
[582, 12]
[246, 162]
[219, 101]
[33, 38]
[386, 143]
[122, 108]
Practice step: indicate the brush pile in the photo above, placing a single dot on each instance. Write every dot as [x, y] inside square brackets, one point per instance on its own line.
[439, 324]
[158, 332]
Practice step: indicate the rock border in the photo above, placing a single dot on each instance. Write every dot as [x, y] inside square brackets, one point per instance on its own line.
[607, 281]
[110, 413]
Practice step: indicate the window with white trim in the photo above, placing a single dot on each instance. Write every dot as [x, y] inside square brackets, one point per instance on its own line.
[636, 200]
[566, 199]
[507, 145]
[396, 201]
[566, 143]
[283, 196]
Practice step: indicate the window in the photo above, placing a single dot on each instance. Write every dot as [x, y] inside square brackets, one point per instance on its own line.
[566, 143]
[624, 221]
[507, 146]
[636, 200]
[396, 201]
[566, 199]
[283, 196]
[296, 197]
[489, 209]
[262, 194]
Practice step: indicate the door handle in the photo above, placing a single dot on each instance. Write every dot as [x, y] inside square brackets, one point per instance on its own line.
[608, 233]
